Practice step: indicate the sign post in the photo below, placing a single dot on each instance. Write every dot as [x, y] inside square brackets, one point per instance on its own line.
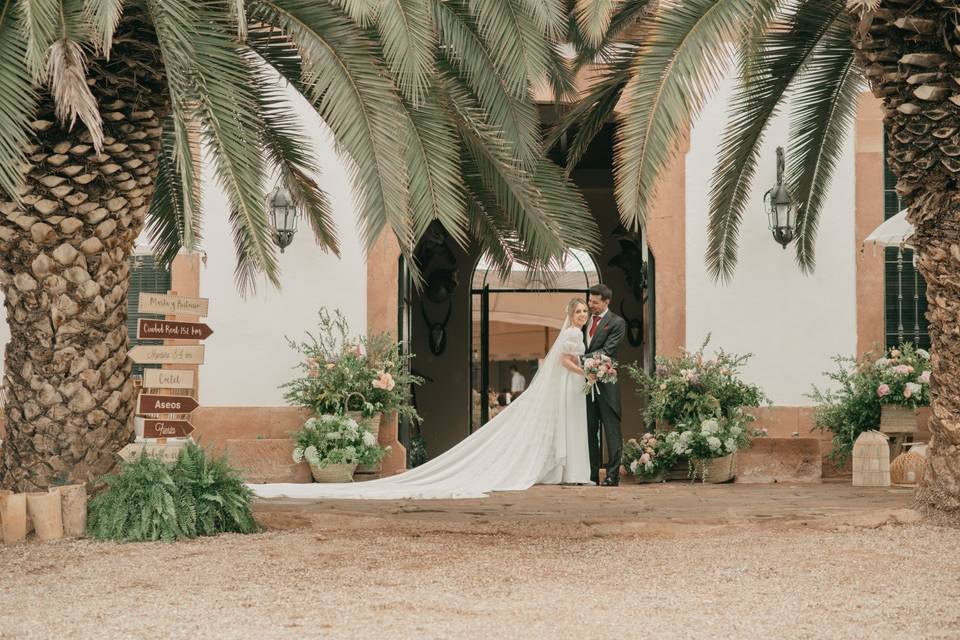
[167, 399]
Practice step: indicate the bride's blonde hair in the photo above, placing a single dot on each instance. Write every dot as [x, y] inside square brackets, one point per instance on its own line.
[572, 306]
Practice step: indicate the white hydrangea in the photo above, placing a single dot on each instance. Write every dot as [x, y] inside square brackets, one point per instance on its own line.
[881, 362]
[686, 435]
[310, 424]
[709, 426]
[333, 435]
[731, 445]
[310, 453]
[923, 353]
[680, 448]
[298, 455]
[352, 424]
[914, 387]
[369, 439]
[735, 430]
[714, 443]
[327, 418]
[633, 467]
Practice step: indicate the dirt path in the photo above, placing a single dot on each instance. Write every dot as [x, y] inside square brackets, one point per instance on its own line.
[431, 571]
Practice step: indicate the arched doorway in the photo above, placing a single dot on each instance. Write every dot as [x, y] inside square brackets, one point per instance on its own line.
[515, 318]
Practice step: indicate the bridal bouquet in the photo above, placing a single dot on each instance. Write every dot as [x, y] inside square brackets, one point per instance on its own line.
[603, 368]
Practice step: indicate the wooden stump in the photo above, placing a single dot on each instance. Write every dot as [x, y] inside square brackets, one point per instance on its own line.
[73, 507]
[44, 509]
[13, 513]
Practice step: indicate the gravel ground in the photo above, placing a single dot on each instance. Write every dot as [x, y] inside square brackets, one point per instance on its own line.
[893, 581]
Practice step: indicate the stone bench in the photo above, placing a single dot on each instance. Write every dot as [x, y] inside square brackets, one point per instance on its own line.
[266, 460]
[780, 460]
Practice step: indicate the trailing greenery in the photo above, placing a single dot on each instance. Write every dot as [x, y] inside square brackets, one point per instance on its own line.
[153, 500]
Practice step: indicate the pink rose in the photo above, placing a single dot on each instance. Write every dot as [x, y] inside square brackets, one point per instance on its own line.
[645, 458]
[925, 377]
[883, 390]
[385, 381]
[903, 369]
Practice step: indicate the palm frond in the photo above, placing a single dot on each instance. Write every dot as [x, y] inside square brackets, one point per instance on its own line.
[686, 49]
[625, 18]
[17, 101]
[512, 33]
[434, 171]
[770, 61]
[72, 97]
[351, 90]
[824, 109]
[104, 16]
[409, 44]
[289, 149]
[227, 110]
[549, 16]
[165, 217]
[40, 25]
[503, 91]
[593, 18]
[588, 116]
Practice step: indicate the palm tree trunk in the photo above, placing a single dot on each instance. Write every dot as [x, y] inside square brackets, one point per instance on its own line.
[909, 52]
[64, 258]
[936, 217]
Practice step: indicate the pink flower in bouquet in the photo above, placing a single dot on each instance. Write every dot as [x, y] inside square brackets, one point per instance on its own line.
[384, 381]
[925, 377]
[907, 392]
[903, 369]
[883, 390]
[645, 458]
[894, 353]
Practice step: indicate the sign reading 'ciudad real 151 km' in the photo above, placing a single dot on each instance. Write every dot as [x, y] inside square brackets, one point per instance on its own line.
[170, 330]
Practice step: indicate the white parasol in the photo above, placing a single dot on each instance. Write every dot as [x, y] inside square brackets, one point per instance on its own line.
[895, 232]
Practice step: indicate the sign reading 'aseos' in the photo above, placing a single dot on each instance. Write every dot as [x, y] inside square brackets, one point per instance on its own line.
[149, 403]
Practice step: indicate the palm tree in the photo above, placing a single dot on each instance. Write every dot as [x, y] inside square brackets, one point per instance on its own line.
[820, 54]
[104, 107]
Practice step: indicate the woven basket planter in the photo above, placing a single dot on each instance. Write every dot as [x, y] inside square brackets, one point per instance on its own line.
[871, 460]
[715, 470]
[907, 468]
[333, 472]
[897, 419]
[371, 424]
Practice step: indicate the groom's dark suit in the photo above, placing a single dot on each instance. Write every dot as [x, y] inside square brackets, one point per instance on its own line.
[605, 407]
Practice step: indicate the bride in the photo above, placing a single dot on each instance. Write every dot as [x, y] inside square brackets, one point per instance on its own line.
[539, 438]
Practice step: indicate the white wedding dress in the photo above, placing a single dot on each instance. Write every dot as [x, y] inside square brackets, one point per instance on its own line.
[539, 438]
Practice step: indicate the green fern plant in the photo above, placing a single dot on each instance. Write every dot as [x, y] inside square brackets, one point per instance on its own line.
[153, 500]
[140, 503]
[220, 498]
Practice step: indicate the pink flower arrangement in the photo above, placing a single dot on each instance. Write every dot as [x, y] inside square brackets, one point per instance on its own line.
[883, 390]
[903, 369]
[384, 381]
[600, 368]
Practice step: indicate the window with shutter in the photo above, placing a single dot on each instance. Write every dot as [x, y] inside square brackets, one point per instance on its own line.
[147, 276]
[905, 292]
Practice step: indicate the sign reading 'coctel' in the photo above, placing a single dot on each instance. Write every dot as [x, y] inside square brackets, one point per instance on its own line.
[167, 379]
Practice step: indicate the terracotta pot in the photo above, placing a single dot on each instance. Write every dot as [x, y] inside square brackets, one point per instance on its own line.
[45, 511]
[13, 515]
[73, 508]
[715, 470]
[333, 472]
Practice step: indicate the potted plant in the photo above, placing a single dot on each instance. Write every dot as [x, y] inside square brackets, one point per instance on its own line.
[649, 458]
[685, 392]
[903, 384]
[333, 446]
[710, 445]
[346, 375]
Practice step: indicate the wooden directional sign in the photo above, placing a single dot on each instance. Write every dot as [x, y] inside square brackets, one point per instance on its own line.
[170, 330]
[149, 403]
[166, 428]
[167, 379]
[166, 452]
[187, 354]
[165, 304]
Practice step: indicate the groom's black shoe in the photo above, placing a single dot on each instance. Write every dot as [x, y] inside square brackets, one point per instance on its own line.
[611, 481]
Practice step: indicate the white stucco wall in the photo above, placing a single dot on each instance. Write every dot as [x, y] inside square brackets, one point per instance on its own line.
[792, 323]
[248, 357]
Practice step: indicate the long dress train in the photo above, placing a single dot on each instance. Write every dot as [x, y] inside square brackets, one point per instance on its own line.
[541, 437]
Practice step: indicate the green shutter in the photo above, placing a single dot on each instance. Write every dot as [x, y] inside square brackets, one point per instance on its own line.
[905, 292]
[145, 276]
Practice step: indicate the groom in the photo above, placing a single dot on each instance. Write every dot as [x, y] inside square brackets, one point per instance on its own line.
[603, 333]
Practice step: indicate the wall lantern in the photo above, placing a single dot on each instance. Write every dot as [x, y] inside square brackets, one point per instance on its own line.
[781, 210]
[283, 216]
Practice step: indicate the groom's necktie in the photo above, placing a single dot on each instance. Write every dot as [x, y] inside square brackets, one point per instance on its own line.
[593, 327]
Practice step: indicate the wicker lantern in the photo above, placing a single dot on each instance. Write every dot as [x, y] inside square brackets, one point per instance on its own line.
[871, 460]
[907, 468]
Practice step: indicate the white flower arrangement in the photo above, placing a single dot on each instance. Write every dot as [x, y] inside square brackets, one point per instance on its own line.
[332, 439]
